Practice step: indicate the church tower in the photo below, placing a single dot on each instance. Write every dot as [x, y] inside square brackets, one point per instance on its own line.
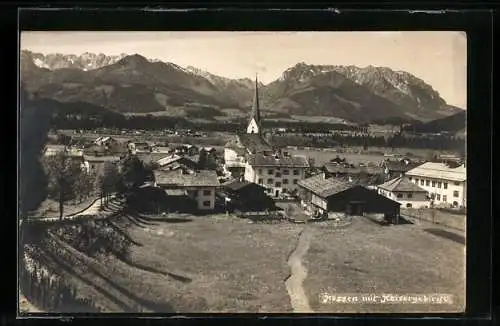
[254, 124]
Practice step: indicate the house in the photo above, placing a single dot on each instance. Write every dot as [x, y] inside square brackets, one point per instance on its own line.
[277, 173]
[397, 168]
[51, 150]
[323, 195]
[96, 164]
[105, 141]
[187, 149]
[245, 196]
[446, 186]
[333, 169]
[405, 192]
[143, 146]
[198, 185]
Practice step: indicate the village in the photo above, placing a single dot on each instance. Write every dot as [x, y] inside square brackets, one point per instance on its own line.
[249, 175]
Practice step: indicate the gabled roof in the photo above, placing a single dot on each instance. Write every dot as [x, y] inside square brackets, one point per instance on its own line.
[296, 161]
[255, 143]
[168, 160]
[401, 184]
[203, 178]
[324, 187]
[439, 171]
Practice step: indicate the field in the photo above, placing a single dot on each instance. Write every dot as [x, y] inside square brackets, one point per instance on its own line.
[369, 259]
[220, 263]
[355, 155]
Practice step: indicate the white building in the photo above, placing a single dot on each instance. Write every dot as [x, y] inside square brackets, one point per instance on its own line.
[199, 186]
[446, 186]
[405, 192]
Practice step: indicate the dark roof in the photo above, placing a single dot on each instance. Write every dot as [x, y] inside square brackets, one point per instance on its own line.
[281, 160]
[203, 178]
[324, 187]
[401, 184]
[236, 184]
[334, 168]
[255, 143]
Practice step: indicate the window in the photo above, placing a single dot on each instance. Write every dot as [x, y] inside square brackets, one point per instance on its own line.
[456, 183]
[269, 181]
[286, 172]
[207, 192]
[439, 184]
[295, 181]
[416, 181]
[278, 184]
[433, 183]
[408, 205]
[444, 198]
[260, 181]
[433, 196]
[410, 178]
[455, 193]
[260, 171]
[206, 203]
[295, 172]
[455, 204]
[410, 196]
[421, 182]
[445, 185]
[427, 182]
[270, 171]
[285, 181]
[399, 195]
[278, 175]
[438, 197]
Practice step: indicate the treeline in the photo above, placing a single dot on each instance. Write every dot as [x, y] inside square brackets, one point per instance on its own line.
[366, 141]
[78, 121]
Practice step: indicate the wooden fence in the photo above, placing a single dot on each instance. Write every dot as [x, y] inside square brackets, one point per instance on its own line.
[436, 216]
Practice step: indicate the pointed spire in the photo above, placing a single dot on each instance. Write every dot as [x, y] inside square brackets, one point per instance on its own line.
[255, 106]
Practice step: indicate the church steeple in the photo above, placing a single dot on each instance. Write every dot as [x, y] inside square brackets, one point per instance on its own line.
[254, 124]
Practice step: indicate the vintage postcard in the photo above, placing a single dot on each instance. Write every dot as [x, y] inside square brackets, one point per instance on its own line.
[242, 172]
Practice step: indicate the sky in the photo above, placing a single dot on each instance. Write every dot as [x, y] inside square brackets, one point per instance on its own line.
[438, 58]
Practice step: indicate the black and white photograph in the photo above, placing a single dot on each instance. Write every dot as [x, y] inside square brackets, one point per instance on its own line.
[242, 172]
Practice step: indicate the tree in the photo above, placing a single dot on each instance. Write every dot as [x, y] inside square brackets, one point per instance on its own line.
[63, 173]
[206, 161]
[110, 181]
[84, 185]
[134, 173]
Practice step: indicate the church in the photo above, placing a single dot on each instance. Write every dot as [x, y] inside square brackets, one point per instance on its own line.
[252, 157]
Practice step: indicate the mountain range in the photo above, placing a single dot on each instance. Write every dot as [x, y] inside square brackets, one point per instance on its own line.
[135, 84]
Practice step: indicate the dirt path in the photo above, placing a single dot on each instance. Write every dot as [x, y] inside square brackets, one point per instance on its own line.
[299, 300]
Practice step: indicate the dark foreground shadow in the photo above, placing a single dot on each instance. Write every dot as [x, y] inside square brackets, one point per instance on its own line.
[447, 235]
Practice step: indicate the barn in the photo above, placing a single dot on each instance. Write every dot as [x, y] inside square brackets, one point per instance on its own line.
[245, 196]
[324, 195]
